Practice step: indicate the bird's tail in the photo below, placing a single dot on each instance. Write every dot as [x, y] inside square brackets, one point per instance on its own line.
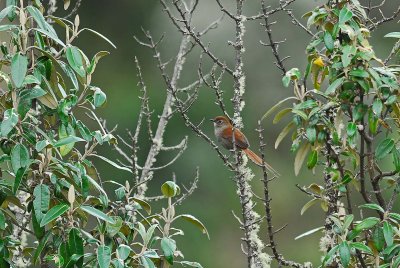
[258, 161]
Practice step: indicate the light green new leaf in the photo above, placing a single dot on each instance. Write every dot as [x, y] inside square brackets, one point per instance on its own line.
[170, 189]
[19, 67]
[54, 213]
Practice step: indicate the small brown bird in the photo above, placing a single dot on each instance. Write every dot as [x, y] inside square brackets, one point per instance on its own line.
[223, 130]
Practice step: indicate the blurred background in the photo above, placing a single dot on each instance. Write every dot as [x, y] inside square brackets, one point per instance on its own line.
[215, 198]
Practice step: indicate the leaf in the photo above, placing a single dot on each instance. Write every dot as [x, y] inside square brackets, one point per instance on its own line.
[112, 163]
[19, 67]
[19, 157]
[123, 252]
[2, 221]
[54, 213]
[192, 264]
[168, 247]
[32, 93]
[40, 247]
[67, 140]
[367, 223]
[100, 35]
[377, 107]
[373, 206]
[41, 201]
[48, 101]
[10, 120]
[285, 131]
[308, 205]
[276, 106]
[396, 159]
[195, 222]
[360, 246]
[75, 245]
[330, 254]
[394, 216]
[344, 253]
[345, 15]
[312, 159]
[384, 148]
[351, 129]
[146, 206]
[311, 134]
[329, 42]
[70, 73]
[170, 189]
[74, 58]
[99, 97]
[103, 256]
[312, 231]
[18, 178]
[146, 262]
[388, 233]
[5, 12]
[348, 54]
[281, 114]
[393, 35]
[95, 60]
[97, 213]
[300, 157]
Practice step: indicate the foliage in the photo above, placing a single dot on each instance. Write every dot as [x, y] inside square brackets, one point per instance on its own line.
[348, 125]
[53, 206]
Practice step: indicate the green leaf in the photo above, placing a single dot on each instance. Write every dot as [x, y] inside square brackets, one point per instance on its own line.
[359, 73]
[112, 163]
[70, 73]
[285, 131]
[367, 223]
[32, 93]
[394, 216]
[360, 246]
[74, 58]
[308, 205]
[40, 247]
[347, 221]
[100, 35]
[309, 232]
[10, 120]
[170, 189]
[377, 107]
[351, 129]
[41, 21]
[393, 35]
[329, 42]
[168, 247]
[191, 264]
[41, 201]
[19, 157]
[95, 60]
[99, 97]
[18, 178]
[300, 157]
[345, 15]
[75, 245]
[19, 67]
[113, 228]
[40, 145]
[384, 148]
[348, 54]
[388, 233]
[54, 213]
[330, 254]
[67, 140]
[378, 238]
[344, 253]
[276, 106]
[311, 134]
[334, 85]
[373, 206]
[396, 159]
[146, 262]
[123, 251]
[195, 222]
[312, 159]
[97, 213]
[2, 221]
[103, 256]
[5, 12]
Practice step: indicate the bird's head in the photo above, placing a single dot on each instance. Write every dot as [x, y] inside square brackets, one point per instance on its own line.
[221, 122]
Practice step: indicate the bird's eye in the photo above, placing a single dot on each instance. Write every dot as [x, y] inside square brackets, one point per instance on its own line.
[219, 122]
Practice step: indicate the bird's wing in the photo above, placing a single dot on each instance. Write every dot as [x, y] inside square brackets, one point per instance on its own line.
[240, 139]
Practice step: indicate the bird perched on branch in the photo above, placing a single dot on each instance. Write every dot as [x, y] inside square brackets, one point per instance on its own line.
[223, 130]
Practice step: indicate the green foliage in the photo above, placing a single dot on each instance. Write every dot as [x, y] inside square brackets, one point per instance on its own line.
[347, 125]
[48, 148]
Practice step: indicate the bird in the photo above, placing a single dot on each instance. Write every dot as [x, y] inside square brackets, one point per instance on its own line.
[223, 130]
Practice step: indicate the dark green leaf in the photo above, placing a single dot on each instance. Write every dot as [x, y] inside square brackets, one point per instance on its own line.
[312, 159]
[40, 247]
[18, 178]
[54, 213]
[360, 246]
[344, 253]
[388, 233]
[75, 245]
[42, 200]
[396, 158]
[384, 148]
[351, 129]
[367, 223]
